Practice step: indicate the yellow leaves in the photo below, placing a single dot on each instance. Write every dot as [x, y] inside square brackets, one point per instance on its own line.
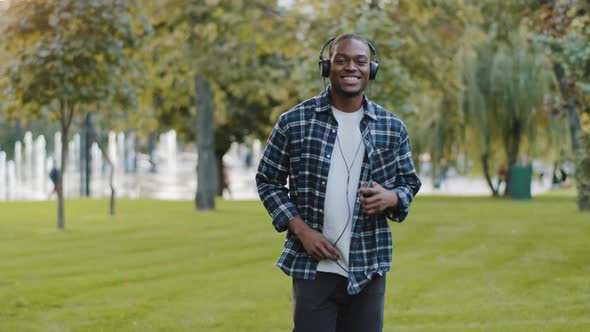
[585, 122]
[99, 57]
[207, 31]
[82, 80]
[218, 13]
[579, 23]
[541, 119]
[280, 93]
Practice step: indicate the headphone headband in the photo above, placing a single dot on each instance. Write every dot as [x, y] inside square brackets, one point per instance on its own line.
[328, 42]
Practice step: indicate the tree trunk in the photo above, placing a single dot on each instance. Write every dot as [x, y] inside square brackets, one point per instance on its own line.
[207, 177]
[87, 154]
[512, 148]
[486, 173]
[220, 174]
[583, 172]
[150, 148]
[567, 90]
[60, 180]
[223, 142]
[67, 114]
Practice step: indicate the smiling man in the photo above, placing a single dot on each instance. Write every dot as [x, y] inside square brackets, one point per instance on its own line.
[339, 244]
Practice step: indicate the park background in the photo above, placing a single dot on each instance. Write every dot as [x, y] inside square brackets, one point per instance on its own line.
[136, 100]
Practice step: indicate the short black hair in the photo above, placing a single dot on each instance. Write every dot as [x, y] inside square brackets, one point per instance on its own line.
[349, 36]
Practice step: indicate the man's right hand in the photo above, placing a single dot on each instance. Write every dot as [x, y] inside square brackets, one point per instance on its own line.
[315, 244]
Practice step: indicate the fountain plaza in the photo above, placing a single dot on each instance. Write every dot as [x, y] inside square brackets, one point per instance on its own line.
[169, 174]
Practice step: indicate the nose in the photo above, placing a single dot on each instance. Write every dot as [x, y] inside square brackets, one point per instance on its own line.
[350, 66]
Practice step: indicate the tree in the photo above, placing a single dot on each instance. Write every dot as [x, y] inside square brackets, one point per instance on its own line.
[518, 84]
[505, 86]
[71, 57]
[564, 27]
[232, 96]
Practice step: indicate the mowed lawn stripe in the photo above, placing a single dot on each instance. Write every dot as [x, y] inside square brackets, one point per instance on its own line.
[460, 264]
[518, 267]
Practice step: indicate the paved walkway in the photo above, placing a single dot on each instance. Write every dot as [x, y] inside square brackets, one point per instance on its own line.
[243, 186]
[466, 186]
[182, 185]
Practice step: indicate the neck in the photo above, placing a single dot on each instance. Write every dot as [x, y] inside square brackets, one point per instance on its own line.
[346, 104]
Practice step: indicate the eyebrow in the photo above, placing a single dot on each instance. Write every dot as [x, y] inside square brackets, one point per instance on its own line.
[351, 55]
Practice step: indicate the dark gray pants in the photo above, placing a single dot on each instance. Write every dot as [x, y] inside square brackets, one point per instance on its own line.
[323, 305]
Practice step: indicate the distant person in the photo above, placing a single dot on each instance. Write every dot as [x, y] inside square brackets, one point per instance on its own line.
[338, 246]
[559, 175]
[541, 174]
[441, 173]
[54, 175]
[248, 159]
[226, 180]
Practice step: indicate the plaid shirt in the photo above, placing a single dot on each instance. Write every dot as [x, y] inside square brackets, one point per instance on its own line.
[299, 149]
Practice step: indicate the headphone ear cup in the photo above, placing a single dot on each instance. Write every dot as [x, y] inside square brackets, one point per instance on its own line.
[373, 70]
[325, 68]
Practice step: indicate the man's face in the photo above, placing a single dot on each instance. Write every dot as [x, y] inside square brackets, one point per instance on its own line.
[350, 67]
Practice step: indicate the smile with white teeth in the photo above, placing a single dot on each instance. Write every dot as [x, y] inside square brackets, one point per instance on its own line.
[350, 78]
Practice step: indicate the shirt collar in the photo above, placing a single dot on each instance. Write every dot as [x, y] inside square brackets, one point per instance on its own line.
[324, 104]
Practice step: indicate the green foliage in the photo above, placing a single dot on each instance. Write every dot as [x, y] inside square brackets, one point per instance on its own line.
[573, 50]
[564, 27]
[505, 86]
[482, 265]
[500, 18]
[75, 52]
[228, 44]
[70, 57]
[519, 82]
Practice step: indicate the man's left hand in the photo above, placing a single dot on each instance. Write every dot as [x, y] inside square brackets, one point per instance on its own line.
[377, 199]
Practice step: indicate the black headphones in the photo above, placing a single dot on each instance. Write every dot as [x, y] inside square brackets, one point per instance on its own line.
[325, 63]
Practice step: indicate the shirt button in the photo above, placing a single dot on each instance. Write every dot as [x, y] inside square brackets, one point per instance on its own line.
[323, 182]
[333, 130]
[328, 156]
[321, 210]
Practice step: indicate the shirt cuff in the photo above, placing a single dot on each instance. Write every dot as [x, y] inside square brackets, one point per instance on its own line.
[283, 215]
[399, 212]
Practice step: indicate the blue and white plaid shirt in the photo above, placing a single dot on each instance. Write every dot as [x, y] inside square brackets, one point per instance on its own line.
[300, 149]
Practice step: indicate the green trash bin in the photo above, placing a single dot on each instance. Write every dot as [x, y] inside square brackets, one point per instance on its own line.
[520, 182]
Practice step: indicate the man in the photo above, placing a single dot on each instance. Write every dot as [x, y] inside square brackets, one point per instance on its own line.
[338, 246]
[54, 175]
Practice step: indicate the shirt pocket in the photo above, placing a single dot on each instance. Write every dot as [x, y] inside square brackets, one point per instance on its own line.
[384, 167]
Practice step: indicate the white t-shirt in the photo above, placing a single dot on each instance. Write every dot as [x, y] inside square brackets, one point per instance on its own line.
[343, 180]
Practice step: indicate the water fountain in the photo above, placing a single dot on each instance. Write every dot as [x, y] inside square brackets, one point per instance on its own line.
[3, 176]
[11, 184]
[26, 175]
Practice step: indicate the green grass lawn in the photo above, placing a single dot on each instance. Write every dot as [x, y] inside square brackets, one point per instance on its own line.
[460, 264]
